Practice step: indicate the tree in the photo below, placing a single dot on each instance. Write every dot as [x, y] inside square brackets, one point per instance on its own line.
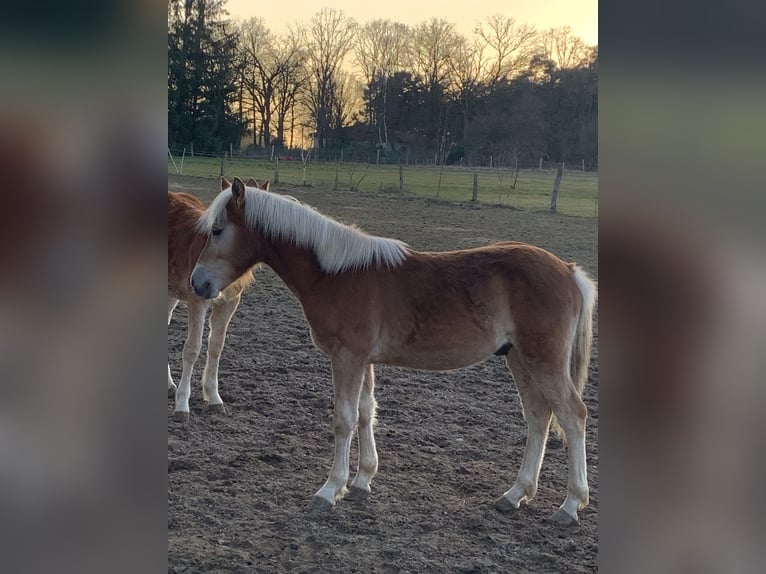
[330, 38]
[434, 41]
[381, 50]
[509, 47]
[201, 77]
[291, 80]
[562, 47]
[261, 70]
[467, 64]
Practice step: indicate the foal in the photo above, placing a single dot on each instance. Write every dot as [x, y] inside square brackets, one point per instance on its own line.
[184, 246]
[373, 300]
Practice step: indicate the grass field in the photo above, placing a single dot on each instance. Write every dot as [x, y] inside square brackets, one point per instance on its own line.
[578, 193]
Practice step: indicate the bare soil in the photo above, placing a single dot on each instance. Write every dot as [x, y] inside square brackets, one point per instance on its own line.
[449, 443]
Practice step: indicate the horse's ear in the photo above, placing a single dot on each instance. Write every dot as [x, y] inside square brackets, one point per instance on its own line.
[251, 183]
[265, 185]
[238, 192]
[225, 183]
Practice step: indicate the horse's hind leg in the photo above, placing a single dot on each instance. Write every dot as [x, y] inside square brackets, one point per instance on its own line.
[571, 414]
[172, 302]
[569, 409]
[537, 413]
[368, 454]
[347, 374]
[196, 311]
[219, 322]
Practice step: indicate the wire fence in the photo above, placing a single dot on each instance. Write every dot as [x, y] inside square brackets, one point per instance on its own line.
[522, 188]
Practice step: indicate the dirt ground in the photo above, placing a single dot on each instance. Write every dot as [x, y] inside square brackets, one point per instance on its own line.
[449, 443]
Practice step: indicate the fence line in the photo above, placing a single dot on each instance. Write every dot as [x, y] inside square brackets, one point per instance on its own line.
[422, 160]
[523, 188]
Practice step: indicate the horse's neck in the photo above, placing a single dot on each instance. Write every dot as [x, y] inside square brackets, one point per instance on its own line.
[296, 266]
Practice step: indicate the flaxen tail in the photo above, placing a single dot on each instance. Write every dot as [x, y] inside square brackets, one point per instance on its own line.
[583, 339]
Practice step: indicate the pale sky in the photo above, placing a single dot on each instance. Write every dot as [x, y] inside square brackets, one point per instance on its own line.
[580, 15]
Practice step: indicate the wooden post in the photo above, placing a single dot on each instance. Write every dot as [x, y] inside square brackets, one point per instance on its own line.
[182, 161]
[192, 149]
[335, 187]
[231, 149]
[583, 165]
[541, 164]
[475, 194]
[276, 169]
[223, 164]
[401, 177]
[556, 183]
[490, 161]
[377, 159]
[172, 160]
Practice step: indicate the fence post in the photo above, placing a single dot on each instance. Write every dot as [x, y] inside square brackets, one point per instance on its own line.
[223, 164]
[556, 183]
[541, 165]
[475, 188]
[182, 161]
[192, 149]
[172, 160]
[401, 177]
[276, 169]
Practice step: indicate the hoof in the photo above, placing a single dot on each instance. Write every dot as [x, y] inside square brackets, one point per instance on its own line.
[180, 416]
[319, 505]
[357, 494]
[504, 505]
[561, 518]
[217, 409]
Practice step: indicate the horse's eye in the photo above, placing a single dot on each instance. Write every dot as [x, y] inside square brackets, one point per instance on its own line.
[217, 231]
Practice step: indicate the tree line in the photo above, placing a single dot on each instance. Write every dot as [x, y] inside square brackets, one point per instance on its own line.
[507, 94]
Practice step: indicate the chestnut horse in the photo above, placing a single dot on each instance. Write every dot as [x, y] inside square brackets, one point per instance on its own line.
[184, 246]
[370, 300]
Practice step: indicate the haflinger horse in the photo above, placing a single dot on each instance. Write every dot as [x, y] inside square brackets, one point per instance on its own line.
[371, 300]
[185, 243]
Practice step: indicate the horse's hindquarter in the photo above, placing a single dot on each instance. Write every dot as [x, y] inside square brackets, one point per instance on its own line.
[449, 310]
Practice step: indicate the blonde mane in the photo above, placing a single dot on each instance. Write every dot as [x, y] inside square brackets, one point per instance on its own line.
[338, 247]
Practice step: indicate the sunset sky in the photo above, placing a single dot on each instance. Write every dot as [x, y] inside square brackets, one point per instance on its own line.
[580, 15]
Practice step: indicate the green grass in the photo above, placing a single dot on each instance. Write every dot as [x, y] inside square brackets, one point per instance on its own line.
[578, 193]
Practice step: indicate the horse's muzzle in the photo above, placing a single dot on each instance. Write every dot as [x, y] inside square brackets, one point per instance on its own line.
[203, 287]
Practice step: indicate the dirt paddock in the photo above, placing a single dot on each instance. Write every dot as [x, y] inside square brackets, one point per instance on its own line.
[449, 443]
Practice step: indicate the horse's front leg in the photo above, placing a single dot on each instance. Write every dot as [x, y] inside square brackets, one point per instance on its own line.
[347, 374]
[368, 454]
[172, 302]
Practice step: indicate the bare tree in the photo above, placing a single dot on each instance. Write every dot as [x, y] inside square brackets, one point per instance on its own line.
[509, 46]
[433, 43]
[346, 99]
[564, 48]
[467, 65]
[330, 38]
[292, 78]
[258, 50]
[381, 50]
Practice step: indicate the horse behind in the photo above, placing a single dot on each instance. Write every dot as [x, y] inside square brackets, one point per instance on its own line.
[372, 300]
[184, 246]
